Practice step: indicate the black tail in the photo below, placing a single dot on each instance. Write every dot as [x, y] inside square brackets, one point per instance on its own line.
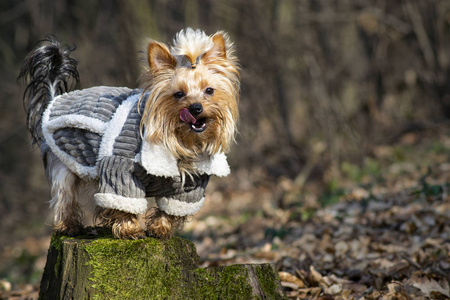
[48, 70]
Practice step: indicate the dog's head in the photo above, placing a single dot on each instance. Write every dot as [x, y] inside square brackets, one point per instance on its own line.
[193, 92]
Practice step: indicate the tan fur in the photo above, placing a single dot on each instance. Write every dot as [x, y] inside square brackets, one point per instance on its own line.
[217, 68]
[123, 225]
[161, 225]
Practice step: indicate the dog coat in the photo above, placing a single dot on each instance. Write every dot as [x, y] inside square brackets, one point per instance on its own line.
[95, 133]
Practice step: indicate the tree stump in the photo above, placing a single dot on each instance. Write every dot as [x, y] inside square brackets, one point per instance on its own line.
[101, 267]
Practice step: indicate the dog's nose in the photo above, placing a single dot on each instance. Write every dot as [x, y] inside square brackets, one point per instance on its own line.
[195, 109]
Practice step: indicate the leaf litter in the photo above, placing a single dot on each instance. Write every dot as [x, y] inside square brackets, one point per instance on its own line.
[387, 240]
[377, 238]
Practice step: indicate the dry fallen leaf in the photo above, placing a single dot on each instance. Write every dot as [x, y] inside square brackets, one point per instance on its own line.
[315, 276]
[289, 278]
[430, 287]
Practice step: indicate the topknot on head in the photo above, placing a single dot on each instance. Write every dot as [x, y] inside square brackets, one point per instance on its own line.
[191, 48]
[189, 41]
[190, 45]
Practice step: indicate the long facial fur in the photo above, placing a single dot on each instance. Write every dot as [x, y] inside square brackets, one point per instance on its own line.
[196, 62]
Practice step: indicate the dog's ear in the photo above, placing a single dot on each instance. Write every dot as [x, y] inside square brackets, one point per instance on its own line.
[159, 57]
[218, 50]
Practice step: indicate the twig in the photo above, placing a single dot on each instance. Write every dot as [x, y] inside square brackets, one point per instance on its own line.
[411, 262]
[403, 289]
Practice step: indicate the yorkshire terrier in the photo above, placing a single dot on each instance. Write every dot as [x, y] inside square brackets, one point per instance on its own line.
[121, 146]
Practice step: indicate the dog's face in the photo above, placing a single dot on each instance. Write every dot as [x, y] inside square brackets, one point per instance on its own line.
[193, 95]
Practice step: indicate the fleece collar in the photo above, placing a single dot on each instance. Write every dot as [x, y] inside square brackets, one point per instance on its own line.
[158, 161]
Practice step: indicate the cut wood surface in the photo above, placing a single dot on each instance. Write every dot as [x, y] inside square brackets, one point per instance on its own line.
[101, 267]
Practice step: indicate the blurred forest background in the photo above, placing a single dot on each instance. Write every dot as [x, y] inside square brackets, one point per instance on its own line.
[333, 92]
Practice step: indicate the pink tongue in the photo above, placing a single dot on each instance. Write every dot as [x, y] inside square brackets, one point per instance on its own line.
[186, 116]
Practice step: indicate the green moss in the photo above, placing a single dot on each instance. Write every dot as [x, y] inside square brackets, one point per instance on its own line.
[154, 269]
[56, 244]
[219, 283]
[56, 241]
[157, 278]
[266, 275]
[232, 282]
[163, 277]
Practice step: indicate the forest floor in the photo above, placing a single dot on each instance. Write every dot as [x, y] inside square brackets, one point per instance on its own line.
[379, 231]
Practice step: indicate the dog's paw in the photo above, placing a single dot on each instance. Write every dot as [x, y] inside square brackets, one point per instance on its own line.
[127, 234]
[159, 233]
[128, 230]
[69, 230]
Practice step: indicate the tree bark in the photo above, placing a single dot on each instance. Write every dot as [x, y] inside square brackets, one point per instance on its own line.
[102, 267]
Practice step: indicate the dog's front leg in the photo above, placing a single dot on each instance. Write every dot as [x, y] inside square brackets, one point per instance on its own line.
[123, 225]
[162, 225]
[121, 197]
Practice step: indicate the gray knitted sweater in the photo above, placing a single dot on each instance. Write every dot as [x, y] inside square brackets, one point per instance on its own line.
[95, 133]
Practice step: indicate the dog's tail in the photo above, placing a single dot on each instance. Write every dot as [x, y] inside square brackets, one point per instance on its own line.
[47, 70]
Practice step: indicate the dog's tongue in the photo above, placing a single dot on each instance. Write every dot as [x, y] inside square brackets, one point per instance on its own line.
[186, 116]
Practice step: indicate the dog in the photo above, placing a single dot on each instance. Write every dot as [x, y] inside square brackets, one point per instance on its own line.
[121, 146]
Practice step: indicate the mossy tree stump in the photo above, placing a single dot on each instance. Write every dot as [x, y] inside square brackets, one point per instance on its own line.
[108, 268]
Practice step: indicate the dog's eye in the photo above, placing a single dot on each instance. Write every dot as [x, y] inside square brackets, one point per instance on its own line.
[209, 91]
[179, 95]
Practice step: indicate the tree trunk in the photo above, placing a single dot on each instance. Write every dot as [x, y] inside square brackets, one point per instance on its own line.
[102, 267]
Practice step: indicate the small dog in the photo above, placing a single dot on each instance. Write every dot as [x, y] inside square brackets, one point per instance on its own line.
[121, 146]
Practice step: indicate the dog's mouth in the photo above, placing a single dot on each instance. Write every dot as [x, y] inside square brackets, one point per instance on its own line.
[196, 125]
[199, 125]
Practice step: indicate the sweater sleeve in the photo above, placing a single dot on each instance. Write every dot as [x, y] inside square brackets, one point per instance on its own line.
[119, 187]
[188, 199]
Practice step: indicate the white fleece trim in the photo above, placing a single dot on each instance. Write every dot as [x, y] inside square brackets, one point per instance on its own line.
[217, 165]
[178, 208]
[131, 205]
[66, 159]
[77, 121]
[115, 125]
[157, 160]
[160, 162]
